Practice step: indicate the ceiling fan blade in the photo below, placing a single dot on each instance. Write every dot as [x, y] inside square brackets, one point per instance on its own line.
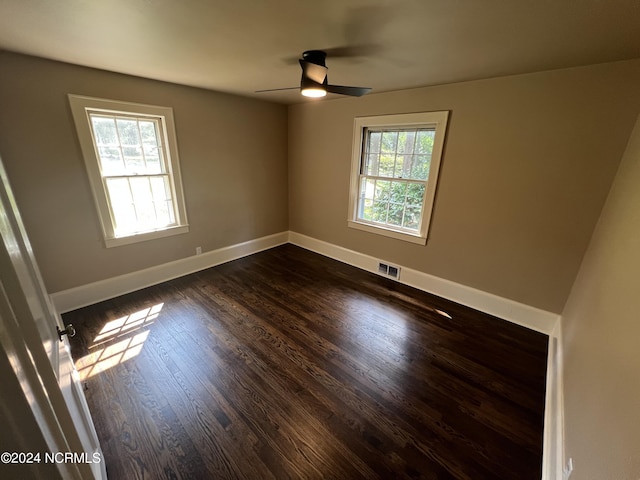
[313, 71]
[277, 89]
[342, 90]
[351, 51]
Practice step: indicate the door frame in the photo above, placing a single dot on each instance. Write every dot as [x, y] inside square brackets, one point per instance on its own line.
[37, 399]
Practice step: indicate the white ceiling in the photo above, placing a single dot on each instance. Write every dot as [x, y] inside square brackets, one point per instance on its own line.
[240, 46]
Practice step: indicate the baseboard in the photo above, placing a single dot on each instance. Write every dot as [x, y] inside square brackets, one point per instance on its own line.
[553, 450]
[527, 316]
[84, 295]
[515, 312]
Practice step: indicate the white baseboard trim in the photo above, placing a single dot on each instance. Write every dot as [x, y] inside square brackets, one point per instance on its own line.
[67, 300]
[553, 449]
[515, 312]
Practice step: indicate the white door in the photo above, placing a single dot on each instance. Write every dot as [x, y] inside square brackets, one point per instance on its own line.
[41, 361]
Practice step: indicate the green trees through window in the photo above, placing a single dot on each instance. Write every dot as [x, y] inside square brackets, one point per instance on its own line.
[395, 171]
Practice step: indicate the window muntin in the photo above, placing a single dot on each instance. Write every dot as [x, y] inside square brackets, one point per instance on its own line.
[131, 157]
[396, 162]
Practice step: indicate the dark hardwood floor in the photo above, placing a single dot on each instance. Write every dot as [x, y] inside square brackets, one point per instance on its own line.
[287, 364]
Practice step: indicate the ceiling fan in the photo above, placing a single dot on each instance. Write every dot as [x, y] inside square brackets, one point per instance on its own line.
[314, 78]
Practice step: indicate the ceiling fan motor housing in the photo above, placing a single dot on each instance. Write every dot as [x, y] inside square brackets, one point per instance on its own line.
[316, 57]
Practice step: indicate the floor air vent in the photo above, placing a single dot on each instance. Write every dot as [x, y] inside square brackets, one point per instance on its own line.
[389, 270]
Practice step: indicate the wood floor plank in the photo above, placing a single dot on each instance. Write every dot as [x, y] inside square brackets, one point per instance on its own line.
[287, 364]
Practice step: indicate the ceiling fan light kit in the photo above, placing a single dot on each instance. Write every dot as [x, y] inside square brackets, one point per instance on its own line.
[314, 78]
[313, 92]
[309, 88]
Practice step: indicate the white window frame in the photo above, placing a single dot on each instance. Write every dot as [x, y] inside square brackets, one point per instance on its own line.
[81, 108]
[436, 120]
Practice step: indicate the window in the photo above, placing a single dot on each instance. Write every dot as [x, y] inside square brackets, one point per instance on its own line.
[395, 166]
[131, 155]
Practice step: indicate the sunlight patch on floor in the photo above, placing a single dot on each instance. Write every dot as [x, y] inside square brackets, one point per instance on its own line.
[118, 341]
[443, 313]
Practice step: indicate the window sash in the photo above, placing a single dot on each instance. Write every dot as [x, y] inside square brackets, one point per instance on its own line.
[132, 209]
[382, 206]
[145, 148]
[411, 160]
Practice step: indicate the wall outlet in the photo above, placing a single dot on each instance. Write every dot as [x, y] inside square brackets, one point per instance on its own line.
[566, 472]
[198, 250]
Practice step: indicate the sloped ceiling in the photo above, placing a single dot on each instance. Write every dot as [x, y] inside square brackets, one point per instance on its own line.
[241, 46]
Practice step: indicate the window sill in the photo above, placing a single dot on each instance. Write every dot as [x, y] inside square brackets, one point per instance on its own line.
[407, 237]
[143, 237]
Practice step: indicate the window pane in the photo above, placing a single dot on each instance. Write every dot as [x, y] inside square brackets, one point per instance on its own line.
[403, 166]
[398, 191]
[141, 189]
[396, 211]
[406, 140]
[399, 166]
[124, 214]
[412, 216]
[424, 141]
[365, 200]
[124, 218]
[379, 211]
[143, 199]
[396, 203]
[373, 164]
[119, 192]
[389, 142]
[151, 147]
[381, 201]
[128, 131]
[369, 188]
[133, 160]
[148, 132]
[164, 210]
[415, 193]
[162, 199]
[421, 166]
[413, 209]
[387, 163]
[374, 142]
[104, 129]
[160, 189]
[152, 159]
[383, 190]
[110, 160]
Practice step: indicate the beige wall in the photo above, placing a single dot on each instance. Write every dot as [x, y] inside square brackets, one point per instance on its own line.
[233, 156]
[527, 165]
[601, 339]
